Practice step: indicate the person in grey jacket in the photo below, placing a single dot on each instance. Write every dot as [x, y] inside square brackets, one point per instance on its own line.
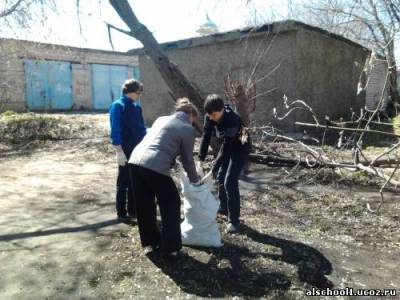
[150, 163]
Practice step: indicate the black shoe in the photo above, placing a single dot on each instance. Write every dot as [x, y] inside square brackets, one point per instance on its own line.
[152, 250]
[232, 228]
[171, 256]
[222, 211]
[155, 248]
[131, 220]
[132, 215]
[123, 219]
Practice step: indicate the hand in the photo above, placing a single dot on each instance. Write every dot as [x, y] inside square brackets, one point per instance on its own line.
[199, 169]
[121, 158]
[214, 171]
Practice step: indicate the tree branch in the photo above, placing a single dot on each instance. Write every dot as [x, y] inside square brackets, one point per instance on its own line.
[10, 10]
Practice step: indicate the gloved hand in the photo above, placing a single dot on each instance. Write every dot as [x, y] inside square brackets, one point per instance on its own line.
[121, 158]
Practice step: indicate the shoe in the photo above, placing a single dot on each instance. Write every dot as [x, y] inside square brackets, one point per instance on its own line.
[232, 228]
[131, 219]
[132, 216]
[155, 248]
[223, 211]
[152, 250]
[122, 219]
[170, 256]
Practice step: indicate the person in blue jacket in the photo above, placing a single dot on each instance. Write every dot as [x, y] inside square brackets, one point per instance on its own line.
[127, 131]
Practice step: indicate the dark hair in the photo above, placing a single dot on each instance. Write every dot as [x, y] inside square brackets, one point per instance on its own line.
[132, 86]
[213, 103]
[184, 104]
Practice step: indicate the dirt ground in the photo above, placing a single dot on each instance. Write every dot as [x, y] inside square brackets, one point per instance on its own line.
[59, 238]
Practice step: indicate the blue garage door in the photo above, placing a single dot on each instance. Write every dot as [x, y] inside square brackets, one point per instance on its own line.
[48, 84]
[106, 83]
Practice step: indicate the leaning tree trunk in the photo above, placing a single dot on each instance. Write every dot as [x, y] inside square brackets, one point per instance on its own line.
[393, 92]
[179, 85]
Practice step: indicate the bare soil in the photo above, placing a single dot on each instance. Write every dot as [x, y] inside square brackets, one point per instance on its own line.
[59, 238]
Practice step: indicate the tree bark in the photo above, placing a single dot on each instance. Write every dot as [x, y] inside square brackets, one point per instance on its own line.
[393, 92]
[179, 85]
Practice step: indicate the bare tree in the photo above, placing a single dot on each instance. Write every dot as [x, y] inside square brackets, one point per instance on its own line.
[10, 8]
[19, 13]
[179, 85]
[373, 23]
[14, 15]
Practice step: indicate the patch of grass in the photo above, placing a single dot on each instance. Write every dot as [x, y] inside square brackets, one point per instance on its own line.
[360, 174]
[8, 113]
[321, 224]
[19, 128]
[10, 117]
[355, 210]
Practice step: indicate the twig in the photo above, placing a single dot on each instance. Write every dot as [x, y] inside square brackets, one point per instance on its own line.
[381, 191]
[347, 129]
[374, 171]
[385, 153]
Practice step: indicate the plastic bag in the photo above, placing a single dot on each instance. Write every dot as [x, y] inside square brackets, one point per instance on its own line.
[200, 207]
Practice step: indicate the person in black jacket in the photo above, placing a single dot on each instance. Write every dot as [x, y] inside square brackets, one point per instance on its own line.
[231, 156]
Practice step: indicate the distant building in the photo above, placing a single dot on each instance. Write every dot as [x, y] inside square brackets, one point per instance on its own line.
[207, 28]
[295, 59]
[44, 77]
[292, 59]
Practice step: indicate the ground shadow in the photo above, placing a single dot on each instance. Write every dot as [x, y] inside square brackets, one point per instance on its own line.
[225, 274]
[312, 265]
[229, 272]
[265, 181]
[87, 227]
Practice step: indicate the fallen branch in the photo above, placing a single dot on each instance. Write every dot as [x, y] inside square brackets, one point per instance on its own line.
[374, 171]
[385, 153]
[381, 191]
[275, 161]
[347, 129]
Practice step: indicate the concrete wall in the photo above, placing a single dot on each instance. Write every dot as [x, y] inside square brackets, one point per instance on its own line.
[317, 67]
[12, 75]
[327, 73]
[207, 66]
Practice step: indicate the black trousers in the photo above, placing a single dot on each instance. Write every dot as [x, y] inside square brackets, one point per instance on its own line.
[124, 189]
[150, 185]
[228, 185]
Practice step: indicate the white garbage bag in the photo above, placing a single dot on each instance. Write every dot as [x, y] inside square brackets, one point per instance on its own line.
[200, 227]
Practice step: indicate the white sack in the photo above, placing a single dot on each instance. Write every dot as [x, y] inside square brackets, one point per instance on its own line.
[200, 227]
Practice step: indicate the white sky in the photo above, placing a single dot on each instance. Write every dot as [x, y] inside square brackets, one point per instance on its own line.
[169, 20]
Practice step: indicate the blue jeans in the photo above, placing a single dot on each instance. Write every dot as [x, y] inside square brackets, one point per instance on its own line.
[228, 185]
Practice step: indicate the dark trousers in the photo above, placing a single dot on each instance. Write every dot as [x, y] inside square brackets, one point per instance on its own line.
[124, 189]
[150, 185]
[228, 185]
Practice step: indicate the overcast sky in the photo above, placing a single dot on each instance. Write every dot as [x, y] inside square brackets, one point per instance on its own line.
[169, 20]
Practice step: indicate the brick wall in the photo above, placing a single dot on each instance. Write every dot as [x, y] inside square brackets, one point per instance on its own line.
[12, 74]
